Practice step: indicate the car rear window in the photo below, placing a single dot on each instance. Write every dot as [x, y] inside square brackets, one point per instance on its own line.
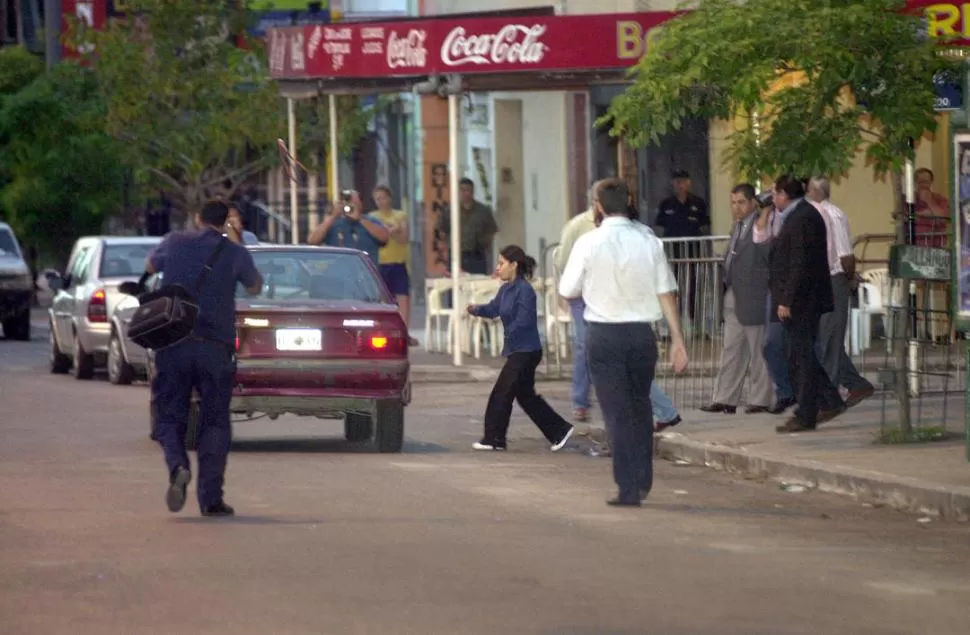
[124, 261]
[298, 276]
[8, 244]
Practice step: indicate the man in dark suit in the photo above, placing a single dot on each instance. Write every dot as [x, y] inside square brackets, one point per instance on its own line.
[801, 292]
[745, 294]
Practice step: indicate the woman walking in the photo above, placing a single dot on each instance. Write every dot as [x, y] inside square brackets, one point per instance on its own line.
[515, 304]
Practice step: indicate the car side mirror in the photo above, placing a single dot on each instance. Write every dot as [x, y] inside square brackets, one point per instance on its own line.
[130, 288]
[54, 281]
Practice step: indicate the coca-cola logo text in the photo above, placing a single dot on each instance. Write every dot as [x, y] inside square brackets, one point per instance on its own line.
[409, 51]
[513, 44]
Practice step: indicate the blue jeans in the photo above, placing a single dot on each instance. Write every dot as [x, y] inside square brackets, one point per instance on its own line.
[662, 406]
[581, 382]
[776, 356]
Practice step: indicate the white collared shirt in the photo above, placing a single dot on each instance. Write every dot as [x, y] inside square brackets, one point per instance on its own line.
[837, 229]
[619, 270]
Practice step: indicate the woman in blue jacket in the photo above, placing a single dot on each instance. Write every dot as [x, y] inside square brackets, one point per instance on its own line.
[515, 304]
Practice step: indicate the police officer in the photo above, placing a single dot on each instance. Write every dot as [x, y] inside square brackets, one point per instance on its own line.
[206, 360]
[684, 215]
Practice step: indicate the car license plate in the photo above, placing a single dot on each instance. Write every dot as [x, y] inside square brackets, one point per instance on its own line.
[299, 339]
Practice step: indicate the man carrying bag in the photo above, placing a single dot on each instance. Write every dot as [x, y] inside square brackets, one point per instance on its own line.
[197, 353]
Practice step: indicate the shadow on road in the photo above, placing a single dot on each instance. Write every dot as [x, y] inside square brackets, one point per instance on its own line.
[309, 445]
[248, 520]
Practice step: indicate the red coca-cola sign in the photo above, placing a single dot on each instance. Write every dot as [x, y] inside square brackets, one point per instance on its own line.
[462, 45]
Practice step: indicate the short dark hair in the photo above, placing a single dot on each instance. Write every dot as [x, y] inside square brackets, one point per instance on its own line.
[924, 171]
[466, 181]
[790, 185]
[679, 174]
[614, 196]
[214, 213]
[384, 188]
[744, 188]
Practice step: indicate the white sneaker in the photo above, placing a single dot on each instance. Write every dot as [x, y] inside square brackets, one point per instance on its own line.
[483, 447]
[565, 439]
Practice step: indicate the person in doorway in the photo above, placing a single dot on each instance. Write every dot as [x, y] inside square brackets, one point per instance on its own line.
[515, 304]
[622, 274]
[346, 225]
[832, 326]
[478, 229]
[204, 362]
[684, 215]
[801, 293]
[394, 255]
[745, 293]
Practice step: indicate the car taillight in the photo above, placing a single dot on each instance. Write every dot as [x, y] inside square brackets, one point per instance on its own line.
[98, 307]
[237, 343]
[382, 344]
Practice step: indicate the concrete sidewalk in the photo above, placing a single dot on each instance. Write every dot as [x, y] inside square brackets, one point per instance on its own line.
[841, 456]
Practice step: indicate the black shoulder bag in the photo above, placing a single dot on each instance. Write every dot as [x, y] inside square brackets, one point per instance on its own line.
[168, 316]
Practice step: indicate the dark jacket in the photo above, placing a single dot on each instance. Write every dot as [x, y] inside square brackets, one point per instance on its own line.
[799, 265]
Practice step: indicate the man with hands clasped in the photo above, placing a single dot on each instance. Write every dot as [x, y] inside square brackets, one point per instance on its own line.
[346, 225]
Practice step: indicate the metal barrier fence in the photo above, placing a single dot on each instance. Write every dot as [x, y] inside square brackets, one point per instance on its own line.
[696, 263]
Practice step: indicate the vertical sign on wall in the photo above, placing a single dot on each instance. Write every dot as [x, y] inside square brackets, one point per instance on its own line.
[961, 225]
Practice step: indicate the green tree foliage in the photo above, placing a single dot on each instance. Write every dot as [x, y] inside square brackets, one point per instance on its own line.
[18, 67]
[197, 113]
[826, 79]
[63, 174]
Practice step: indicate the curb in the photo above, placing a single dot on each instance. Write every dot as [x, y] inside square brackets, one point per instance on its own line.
[905, 494]
[427, 374]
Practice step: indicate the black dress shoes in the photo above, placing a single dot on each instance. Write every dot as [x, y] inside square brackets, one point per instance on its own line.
[617, 502]
[720, 407]
[218, 510]
[178, 482]
[782, 405]
[794, 425]
[756, 410]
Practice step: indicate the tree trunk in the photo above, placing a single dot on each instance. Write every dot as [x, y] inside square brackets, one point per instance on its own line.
[900, 318]
[18, 11]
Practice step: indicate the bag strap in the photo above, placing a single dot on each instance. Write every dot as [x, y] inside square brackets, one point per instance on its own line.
[209, 264]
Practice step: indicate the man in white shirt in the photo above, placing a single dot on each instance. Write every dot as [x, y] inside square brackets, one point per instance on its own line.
[623, 277]
[831, 328]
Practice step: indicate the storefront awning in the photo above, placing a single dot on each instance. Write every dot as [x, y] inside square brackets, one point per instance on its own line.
[490, 53]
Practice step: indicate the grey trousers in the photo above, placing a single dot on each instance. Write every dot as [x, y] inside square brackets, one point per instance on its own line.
[742, 356]
[622, 359]
[830, 346]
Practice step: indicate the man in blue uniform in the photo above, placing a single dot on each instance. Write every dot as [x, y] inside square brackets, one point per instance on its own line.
[206, 360]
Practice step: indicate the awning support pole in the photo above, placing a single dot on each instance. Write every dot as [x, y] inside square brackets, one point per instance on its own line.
[454, 206]
[294, 177]
[334, 151]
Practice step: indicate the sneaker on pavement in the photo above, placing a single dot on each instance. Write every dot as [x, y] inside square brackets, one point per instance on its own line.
[487, 447]
[564, 440]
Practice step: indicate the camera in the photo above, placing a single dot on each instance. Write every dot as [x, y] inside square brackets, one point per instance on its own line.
[346, 198]
[765, 199]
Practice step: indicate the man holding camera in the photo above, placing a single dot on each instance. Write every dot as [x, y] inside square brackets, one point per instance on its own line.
[347, 226]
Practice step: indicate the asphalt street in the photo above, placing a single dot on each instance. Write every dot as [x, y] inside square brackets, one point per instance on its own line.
[437, 540]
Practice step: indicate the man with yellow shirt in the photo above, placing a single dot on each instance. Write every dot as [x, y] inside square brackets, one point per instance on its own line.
[393, 256]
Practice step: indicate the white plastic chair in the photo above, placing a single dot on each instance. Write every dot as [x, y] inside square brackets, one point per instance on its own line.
[558, 321]
[877, 293]
[481, 292]
[435, 288]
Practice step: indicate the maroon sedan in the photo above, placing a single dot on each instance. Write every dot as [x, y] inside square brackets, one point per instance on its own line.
[324, 338]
